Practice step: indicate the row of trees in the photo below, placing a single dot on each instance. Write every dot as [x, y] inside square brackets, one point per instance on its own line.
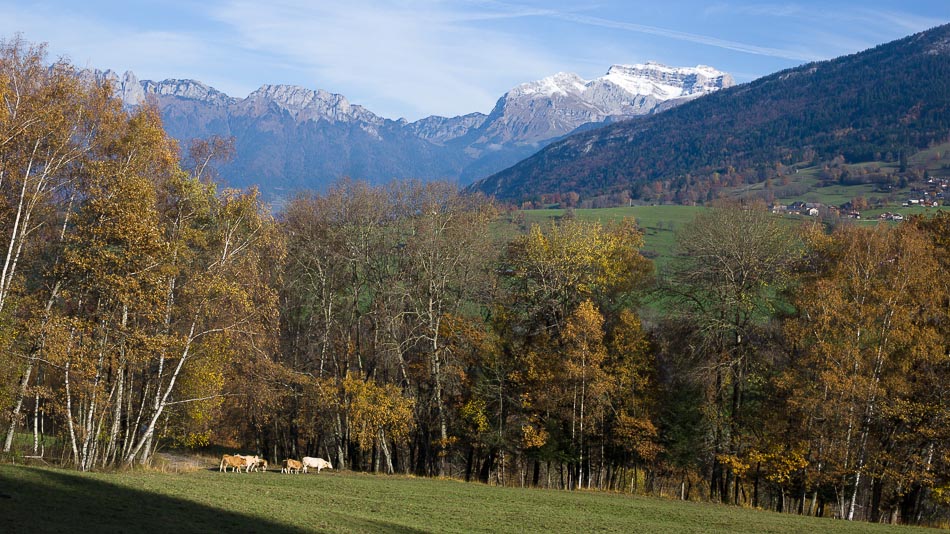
[405, 329]
[128, 284]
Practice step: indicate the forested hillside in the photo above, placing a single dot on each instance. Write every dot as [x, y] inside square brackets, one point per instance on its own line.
[882, 104]
[388, 329]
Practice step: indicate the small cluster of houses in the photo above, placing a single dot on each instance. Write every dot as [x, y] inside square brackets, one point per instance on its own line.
[800, 208]
[932, 194]
[813, 209]
[921, 197]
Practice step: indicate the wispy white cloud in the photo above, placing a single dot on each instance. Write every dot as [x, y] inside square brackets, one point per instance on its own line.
[893, 21]
[857, 27]
[429, 56]
[766, 9]
[690, 37]
[589, 20]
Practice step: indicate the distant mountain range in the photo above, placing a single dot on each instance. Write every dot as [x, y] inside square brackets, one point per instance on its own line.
[878, 105]
[289, 137]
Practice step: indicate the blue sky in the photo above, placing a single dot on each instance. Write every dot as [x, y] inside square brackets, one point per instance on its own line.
[413, 58]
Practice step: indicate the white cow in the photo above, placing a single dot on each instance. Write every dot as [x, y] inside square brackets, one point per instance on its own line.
[255, 462]
[250, 462]
[317, 463]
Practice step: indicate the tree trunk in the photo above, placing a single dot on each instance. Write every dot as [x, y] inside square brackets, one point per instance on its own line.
[18, 405]
[387, 457]
[146, 438]
[36, 421]
[25, 379]
[469, 459]
[69, 416]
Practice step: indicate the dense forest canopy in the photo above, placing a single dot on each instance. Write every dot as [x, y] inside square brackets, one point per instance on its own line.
[391, 329]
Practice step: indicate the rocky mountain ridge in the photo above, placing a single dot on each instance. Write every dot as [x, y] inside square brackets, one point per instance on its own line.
[838, 109]
[309, 124]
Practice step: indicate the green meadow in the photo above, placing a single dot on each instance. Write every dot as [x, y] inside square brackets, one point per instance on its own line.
[659, 223]
[41, 499]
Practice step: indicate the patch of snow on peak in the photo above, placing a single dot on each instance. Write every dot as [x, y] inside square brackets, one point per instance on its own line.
[562, 83]
[665, 83]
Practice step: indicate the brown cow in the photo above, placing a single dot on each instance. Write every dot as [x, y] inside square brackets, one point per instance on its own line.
[234, 462]
[290, 466]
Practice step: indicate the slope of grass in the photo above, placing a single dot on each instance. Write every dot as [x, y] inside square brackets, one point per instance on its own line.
[54, 500]
[659, 223]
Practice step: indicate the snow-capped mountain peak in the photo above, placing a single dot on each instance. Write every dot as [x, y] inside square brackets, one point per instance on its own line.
[553, 106]
[641, 79]
[665, 82]
[562, 83]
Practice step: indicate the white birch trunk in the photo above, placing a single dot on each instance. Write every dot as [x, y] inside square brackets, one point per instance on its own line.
[146, 438]
[69, 417]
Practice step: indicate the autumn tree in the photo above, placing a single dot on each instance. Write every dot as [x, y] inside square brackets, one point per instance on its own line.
[339, 263]
[50, 125]
[549, 275]
[144, 282]
[373, 272]
[443, 267]
[868, 334]
[727, 282]
[586, 376]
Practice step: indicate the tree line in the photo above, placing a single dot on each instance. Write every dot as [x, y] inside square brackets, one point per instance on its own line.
[405, 329]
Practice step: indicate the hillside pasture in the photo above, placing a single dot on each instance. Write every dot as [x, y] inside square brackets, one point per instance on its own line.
[658, 223]
[37, 500]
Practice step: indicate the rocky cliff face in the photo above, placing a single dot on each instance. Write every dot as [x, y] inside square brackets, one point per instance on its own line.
[554, 106]
[443, 129]
[186, 89]
[289, 137]
[308, 105]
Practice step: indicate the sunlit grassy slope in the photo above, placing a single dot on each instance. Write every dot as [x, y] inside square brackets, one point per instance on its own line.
[53, 500]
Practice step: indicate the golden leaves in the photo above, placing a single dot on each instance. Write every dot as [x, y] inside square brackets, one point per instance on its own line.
[373, 408]
[533, 436]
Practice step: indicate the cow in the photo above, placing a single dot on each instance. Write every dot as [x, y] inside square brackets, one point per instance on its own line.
[290, 466]
[234, 462]
[318, 463]
[250, 462]
[262, 464]
[253, 463]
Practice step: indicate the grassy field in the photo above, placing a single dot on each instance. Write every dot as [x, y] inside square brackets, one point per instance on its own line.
[34, 499]
[936, 160]
[659, 223]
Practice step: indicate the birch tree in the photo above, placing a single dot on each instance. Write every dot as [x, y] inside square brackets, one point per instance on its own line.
[50, 125]
[443, 269]
[866, 326]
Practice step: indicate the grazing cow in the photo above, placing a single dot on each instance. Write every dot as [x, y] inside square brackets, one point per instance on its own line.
[234, 462]
[290, 466]
[253, 463]
[262, 465]
[317, 463]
